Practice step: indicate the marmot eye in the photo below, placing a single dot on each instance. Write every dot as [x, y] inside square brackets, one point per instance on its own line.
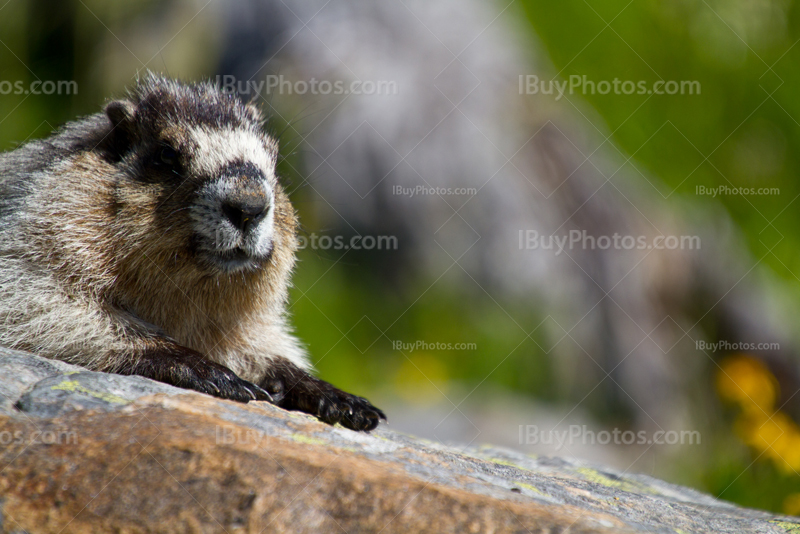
[169, 156]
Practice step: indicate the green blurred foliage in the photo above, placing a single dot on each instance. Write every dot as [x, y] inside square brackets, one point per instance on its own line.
[349, 321]
[741, 130]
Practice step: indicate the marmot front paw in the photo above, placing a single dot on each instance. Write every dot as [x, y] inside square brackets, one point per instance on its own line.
[219, 381]
[185, 368]
[355, 413]
[294, 389]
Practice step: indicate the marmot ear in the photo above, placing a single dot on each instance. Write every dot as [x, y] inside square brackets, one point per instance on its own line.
[122, 114]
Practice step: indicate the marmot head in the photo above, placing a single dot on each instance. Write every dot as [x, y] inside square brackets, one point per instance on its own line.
[199, 174]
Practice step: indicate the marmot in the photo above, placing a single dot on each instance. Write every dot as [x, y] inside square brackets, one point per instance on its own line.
[155, 239]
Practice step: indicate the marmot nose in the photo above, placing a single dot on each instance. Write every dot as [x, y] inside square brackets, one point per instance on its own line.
[244, 215]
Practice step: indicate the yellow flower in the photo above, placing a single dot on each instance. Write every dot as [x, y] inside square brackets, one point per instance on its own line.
[747, 382]
[762, 432]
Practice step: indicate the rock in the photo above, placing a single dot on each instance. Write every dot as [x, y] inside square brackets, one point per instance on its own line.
[91, 452]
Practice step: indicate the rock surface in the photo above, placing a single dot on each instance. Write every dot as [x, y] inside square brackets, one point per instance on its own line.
[90, 452]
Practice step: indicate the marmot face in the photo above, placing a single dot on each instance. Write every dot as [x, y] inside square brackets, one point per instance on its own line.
[198, 160]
